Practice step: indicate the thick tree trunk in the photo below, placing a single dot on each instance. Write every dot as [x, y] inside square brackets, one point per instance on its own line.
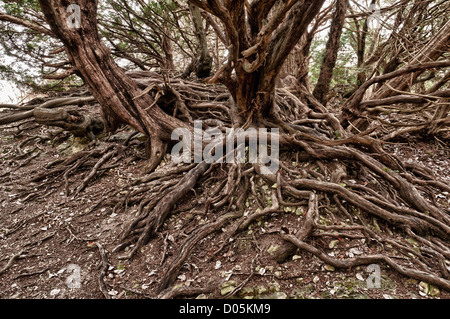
[166, 44]
[256, 76]
[260, 43]
[119, 96]
[255, 95]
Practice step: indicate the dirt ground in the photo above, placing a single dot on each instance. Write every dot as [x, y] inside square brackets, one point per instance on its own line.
[48, 246]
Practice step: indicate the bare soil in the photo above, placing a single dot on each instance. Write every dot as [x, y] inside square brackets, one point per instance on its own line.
[54, 235]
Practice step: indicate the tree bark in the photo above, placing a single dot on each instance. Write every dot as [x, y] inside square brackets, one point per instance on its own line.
[166, 45]
[259, 46]
[354, 107]
[331, 52]
[434, 49]
[119, 96]
[257, 75]
[201, 66]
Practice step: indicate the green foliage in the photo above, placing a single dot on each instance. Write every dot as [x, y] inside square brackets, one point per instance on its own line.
[317, 51]
[19, 7]
[24, 51]
[135, 31]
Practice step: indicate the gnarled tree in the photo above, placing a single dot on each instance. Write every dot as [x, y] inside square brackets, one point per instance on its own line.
[334, 179]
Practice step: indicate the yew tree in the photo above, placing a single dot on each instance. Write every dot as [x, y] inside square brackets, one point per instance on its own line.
[336, 171]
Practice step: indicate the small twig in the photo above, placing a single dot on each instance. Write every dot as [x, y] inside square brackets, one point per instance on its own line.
[94, 170]
[164, 254]
[105, 263]
[11, 261]
[102, 274]
[243, 283]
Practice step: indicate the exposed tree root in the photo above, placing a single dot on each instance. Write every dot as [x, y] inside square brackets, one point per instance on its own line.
[186, 248]
[403, 209]
[157, 151]
[149, 222]
[371, 259]
[11, 261]
[341, 185]
[105, 264]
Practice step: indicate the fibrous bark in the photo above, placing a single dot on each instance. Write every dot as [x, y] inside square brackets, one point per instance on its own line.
[119, 96]
[331, 52]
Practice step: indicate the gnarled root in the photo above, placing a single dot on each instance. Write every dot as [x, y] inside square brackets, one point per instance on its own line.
[152, 218]
[156, 150]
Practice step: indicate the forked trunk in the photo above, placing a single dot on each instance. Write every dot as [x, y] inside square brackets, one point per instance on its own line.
[119, 96]
[254, 96]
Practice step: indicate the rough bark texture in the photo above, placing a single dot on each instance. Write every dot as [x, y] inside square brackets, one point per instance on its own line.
[258, 56]
[438, 45]
[331, 52]
[203, 64]
[120, 98]
[340, 185]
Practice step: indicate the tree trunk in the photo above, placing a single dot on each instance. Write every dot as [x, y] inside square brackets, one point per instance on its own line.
[166, 44]
[257, 74]
[201, 66]
[331, 52]
[119, 96]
